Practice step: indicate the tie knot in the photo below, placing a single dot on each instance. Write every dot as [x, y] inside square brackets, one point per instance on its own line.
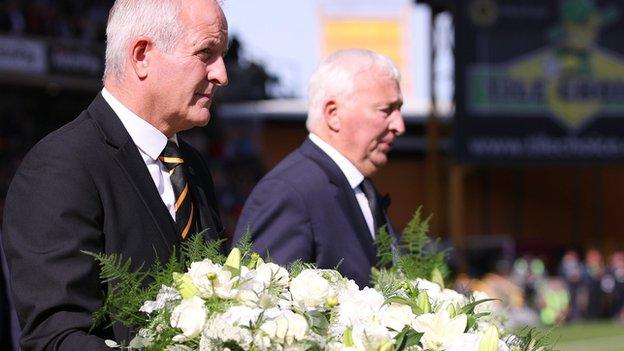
[368, 188]
[170, 156]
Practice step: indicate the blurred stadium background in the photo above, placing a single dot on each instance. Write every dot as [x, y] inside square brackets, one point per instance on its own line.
[515, 128]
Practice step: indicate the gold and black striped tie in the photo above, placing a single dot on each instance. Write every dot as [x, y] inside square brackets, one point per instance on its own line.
[173, 161]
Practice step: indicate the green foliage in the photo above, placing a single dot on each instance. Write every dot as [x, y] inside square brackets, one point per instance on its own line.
[318, 322]
[161, 275]
[215, 305]
[418, 255]
[298, 266]
[197, 248]
[384, 247]
[162, 340]
[406, 339]
[386, 282]
[472, 316]
[128, 289]
[416, 259]
[244, 245]
[232, 345]
[308, 345]
[532, 339]
[125, 291]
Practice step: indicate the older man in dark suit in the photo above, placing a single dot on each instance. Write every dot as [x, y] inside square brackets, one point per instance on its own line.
[318, 204]
[117, 179]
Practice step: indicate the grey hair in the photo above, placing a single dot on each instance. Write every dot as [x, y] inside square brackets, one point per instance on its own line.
[129, 19]
[336, 75]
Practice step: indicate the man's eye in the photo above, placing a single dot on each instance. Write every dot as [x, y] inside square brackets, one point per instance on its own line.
[205, 54]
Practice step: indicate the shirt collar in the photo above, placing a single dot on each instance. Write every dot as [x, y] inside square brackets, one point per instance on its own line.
[354, 177]
[145, 136]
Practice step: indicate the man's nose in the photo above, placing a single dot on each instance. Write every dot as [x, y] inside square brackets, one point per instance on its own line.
[216, 72]
[397, 125]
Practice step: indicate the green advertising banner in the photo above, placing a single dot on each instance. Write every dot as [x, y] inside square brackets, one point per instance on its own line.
[539, 81]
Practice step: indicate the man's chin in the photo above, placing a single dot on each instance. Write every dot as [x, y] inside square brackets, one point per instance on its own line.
[380, 159]
[371, 167]
[201, 118]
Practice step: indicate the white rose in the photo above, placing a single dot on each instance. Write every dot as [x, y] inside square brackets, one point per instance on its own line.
[190, 316]
[396, 316]
[286, 327]
[309, 290]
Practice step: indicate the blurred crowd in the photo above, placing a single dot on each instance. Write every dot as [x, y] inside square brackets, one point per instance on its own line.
[583, 287]
[77, 19]
[595, 285]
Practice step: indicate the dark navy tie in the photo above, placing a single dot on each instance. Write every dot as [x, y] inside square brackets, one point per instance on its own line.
[371, 195]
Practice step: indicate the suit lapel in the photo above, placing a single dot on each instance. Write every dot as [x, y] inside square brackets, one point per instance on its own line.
[344, 196]
[128, 158]
[131, 162]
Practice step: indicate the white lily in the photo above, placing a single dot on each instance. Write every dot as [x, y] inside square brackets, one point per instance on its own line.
[439, 329]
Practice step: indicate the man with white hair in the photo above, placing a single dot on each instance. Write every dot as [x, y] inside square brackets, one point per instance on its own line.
[318, 204]
[117, 179]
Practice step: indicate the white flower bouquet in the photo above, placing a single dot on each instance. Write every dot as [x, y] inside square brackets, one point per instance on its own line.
[243, 303]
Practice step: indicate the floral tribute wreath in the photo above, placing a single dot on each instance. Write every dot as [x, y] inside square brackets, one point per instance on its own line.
[201, 300]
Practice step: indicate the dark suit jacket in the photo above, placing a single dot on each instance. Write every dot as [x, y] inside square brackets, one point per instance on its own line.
[305, 209]
[85, 187]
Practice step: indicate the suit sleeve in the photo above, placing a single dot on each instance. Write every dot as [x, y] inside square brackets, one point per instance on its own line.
[278, 220]
[52, 212]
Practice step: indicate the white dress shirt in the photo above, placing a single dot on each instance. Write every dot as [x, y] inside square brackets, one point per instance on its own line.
[353, 175]
[150, 142]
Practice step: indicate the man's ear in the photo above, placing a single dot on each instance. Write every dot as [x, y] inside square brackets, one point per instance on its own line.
[141, 54]
[331, 115]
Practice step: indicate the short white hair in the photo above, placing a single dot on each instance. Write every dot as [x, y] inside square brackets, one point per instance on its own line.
[336, 75]
[129, 19]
